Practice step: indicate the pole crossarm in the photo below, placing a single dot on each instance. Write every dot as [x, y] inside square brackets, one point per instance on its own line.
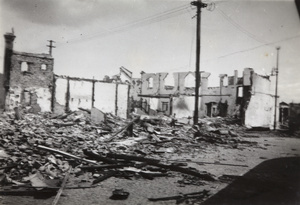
[198, 4]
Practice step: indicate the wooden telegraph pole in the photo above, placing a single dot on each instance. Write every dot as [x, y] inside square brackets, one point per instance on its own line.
[276, 86]
[51, 46]
[199, 5]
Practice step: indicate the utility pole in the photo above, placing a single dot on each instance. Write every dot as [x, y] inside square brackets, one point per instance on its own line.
[199, 5]
[51, 46]
[276, 86]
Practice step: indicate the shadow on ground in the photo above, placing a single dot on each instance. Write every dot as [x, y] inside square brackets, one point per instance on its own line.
[275, 181]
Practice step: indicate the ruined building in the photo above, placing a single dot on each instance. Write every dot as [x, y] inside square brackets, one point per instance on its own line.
[29, 81]
[249, 97]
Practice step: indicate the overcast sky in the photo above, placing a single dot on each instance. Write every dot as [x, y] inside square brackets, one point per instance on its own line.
[96, 37]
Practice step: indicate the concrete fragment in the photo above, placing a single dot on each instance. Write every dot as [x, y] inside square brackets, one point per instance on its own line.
[97, 116]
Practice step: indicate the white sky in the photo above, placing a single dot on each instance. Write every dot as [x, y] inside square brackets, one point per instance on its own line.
[96, 37]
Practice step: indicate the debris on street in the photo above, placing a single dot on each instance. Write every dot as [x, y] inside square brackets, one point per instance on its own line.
[47, 152]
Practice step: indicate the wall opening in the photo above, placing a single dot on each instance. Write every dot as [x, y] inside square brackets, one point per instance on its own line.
[27, 97]
[169, 82]
[44, 67]
[150, 82]
[189, 81]
[225, 81]
[165, 106]
[24, 66]
[240, 91]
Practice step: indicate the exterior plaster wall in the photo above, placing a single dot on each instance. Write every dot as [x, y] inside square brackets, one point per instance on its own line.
[80, 94]
[105, 97]
[183, 106]
[146, 90]
[75, 93]
[61, 86]
[122, 100]
[159, 85]
[135, 88]
[260, 109]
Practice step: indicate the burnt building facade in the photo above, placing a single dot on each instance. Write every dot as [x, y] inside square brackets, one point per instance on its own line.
[29, 81]
[250, 97]
[28, 78]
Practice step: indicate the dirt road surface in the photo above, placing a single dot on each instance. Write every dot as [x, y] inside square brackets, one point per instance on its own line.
[270, 146]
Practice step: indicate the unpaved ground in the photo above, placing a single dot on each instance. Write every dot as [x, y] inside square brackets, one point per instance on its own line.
[269, 147]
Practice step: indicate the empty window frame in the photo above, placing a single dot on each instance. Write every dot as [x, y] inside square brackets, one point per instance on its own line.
[24, 66]
[150, 82]
[225, 81]
[189, 81]
[43, 67]
[240, 91]
[169, 81]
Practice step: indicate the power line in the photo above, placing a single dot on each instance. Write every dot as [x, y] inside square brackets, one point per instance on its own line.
[253, 48]
[235, 24]
[135, 24]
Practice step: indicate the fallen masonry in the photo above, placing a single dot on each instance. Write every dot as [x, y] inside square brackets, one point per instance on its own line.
[47, 154]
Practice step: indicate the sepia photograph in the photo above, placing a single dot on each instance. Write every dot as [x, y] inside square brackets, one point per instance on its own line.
[149, 102]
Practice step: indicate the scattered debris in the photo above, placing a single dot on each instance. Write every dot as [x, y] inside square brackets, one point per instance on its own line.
[37, 150]
[62, 187]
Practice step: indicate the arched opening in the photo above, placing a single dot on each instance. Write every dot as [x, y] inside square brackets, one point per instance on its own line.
[169, 82]
[189, 81]
[225, 81]
[150, 82]
[24, 66]
[240, 91]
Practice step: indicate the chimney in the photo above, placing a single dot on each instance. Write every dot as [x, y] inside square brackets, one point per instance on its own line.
[235, 77]
[9, 42]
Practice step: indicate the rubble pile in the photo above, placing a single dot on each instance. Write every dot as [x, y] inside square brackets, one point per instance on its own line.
[39, 150]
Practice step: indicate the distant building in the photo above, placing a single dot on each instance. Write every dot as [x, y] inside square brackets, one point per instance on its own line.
[294, 117]
[283, 113]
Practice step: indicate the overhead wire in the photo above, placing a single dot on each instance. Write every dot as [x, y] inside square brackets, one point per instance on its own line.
[240, 28]
[135, 24]
[256, 47]
[132, 25]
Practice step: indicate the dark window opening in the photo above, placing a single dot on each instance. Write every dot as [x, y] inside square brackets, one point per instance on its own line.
[165, 106]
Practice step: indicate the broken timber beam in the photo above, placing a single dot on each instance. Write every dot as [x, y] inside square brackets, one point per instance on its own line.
[132, 158]
[104, 177]
[86, 110]
[110, 166]
[183, 196]
[65, 154]
[215, 163]
[122, 130]
[155, 162]
[28, 192]
[203, 176]
[62, 187]
[99, 157]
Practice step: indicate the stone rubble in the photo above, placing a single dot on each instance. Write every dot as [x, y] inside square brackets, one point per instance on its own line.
[23, 163]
